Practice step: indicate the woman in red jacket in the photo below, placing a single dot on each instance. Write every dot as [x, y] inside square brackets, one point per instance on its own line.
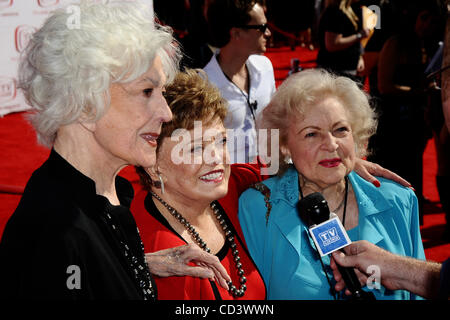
[191, 195]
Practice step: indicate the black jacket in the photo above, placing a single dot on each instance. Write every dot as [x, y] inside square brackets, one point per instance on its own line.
[58, 244]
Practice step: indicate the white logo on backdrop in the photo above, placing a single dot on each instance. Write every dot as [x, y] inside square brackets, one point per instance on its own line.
[22, 36]
[47, 3]
[7, 89]
[19, 19]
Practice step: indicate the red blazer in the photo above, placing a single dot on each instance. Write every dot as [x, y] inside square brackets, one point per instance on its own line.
[157, 236]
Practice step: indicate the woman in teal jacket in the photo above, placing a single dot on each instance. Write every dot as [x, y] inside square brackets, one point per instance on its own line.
[324, 122]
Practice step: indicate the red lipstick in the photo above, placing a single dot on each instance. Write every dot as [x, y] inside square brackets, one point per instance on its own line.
[151, 138]
[330, 163]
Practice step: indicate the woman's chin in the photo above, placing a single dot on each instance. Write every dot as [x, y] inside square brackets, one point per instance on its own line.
[216, 193]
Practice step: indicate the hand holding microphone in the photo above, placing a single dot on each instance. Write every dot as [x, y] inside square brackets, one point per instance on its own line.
[329, 235]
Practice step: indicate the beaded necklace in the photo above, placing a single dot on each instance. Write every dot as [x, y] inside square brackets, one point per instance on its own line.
[140, 270]
[202, 244]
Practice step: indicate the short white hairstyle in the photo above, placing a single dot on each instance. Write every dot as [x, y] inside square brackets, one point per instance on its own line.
[303, 90]
[66, 72]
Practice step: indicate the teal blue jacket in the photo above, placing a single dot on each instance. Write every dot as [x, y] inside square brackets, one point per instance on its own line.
[281, 248]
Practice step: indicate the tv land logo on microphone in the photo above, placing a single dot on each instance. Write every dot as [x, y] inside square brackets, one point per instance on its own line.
[8, 89]
[47, 3]
[329, 236]
[22, 36]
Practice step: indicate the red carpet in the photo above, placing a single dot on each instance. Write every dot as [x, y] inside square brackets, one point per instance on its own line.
[21, 156]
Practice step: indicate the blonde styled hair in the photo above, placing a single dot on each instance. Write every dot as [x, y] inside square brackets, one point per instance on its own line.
[191, 97]
[305, 89]
[66, 72]
[345, 7]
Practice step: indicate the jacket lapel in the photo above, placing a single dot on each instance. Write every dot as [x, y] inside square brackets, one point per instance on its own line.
[287, 219]
[291, 227]
[370, 207]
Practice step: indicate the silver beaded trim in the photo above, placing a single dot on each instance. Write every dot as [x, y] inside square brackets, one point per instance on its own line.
[202, 244]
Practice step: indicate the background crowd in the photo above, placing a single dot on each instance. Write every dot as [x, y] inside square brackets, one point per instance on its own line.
[101, 105]
[398, 61]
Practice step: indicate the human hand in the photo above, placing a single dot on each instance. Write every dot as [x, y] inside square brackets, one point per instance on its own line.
[362, 255]
[340, 283]
[367, 170]
[174, 262]
[361, 66]
[364, 33]
[395, 272]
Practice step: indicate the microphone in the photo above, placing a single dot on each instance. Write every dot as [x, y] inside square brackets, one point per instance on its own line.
[313, 210]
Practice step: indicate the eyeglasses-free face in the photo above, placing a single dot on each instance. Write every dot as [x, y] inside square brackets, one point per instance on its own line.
[260, 27]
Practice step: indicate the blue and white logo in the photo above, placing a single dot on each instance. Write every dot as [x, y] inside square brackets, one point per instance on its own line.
[329, 236]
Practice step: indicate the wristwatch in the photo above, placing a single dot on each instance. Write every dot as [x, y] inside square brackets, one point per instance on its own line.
[359, 35]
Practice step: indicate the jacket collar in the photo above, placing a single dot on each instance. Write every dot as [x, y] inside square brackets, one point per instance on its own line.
[286, 190]
[82, 187]
[371, 202]
[286, 187]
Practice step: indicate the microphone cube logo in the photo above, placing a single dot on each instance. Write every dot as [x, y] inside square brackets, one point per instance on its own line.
[22, 36]
[47, 3]
[7, 89]
[329, 236]
[6, 3]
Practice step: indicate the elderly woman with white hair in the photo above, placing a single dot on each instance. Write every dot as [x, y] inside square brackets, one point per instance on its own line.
[325, 122]
[97, 95]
